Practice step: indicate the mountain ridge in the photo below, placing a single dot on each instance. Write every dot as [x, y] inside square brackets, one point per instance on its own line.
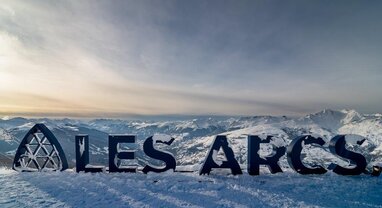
[193, 137]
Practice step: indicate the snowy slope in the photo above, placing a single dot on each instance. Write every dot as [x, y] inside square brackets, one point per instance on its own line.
[193, 137]
[69, 189]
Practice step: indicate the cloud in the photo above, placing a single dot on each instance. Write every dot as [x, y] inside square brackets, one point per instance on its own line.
[169, 57]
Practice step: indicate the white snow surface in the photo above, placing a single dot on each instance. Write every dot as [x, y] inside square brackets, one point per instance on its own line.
[70, 189]
[193, 139]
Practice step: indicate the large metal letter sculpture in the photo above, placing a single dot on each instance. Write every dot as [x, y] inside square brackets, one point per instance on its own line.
[231, 163]
[82, 156]
[294, 155]
[116, 155]
[39, 151]
[337, 147]
[166, 157]
[254, 159]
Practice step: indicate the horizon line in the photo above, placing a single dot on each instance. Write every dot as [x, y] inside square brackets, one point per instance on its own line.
[128, 116]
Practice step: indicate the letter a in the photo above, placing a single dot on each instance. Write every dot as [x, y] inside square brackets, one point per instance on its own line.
[231, 163]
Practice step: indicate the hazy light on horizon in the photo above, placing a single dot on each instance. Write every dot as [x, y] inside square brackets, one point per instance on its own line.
[115, 58]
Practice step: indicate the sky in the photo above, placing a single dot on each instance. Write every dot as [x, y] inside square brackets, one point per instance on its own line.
[120, 58]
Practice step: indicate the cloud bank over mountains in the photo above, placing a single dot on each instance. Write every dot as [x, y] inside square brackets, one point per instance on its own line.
[116, 58]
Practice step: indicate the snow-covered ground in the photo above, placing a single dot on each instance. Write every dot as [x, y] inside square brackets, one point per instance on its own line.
[70, 189]
[193, 138]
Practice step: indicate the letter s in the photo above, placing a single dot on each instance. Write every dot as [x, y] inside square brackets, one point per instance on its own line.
[337, 147]
[168, 158]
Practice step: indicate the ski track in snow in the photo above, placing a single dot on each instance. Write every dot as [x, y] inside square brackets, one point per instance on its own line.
[69, 189]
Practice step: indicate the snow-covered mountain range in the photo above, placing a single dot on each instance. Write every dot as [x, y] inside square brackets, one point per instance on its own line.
[193, 137]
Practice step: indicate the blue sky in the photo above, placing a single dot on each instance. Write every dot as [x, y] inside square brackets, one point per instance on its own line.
[115, 58]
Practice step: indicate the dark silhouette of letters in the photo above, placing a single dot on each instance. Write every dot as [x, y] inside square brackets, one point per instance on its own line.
[231, 163]
[337, 147]
[294, 155]
[168, 158]
[115, 157]
[254, 159]
[82, 156]
[39, 151]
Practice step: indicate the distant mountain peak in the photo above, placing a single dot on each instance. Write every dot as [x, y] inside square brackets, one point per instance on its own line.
[334, 119]
[331, 112]
[325, 113]
[5, 118]
[351, 116]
